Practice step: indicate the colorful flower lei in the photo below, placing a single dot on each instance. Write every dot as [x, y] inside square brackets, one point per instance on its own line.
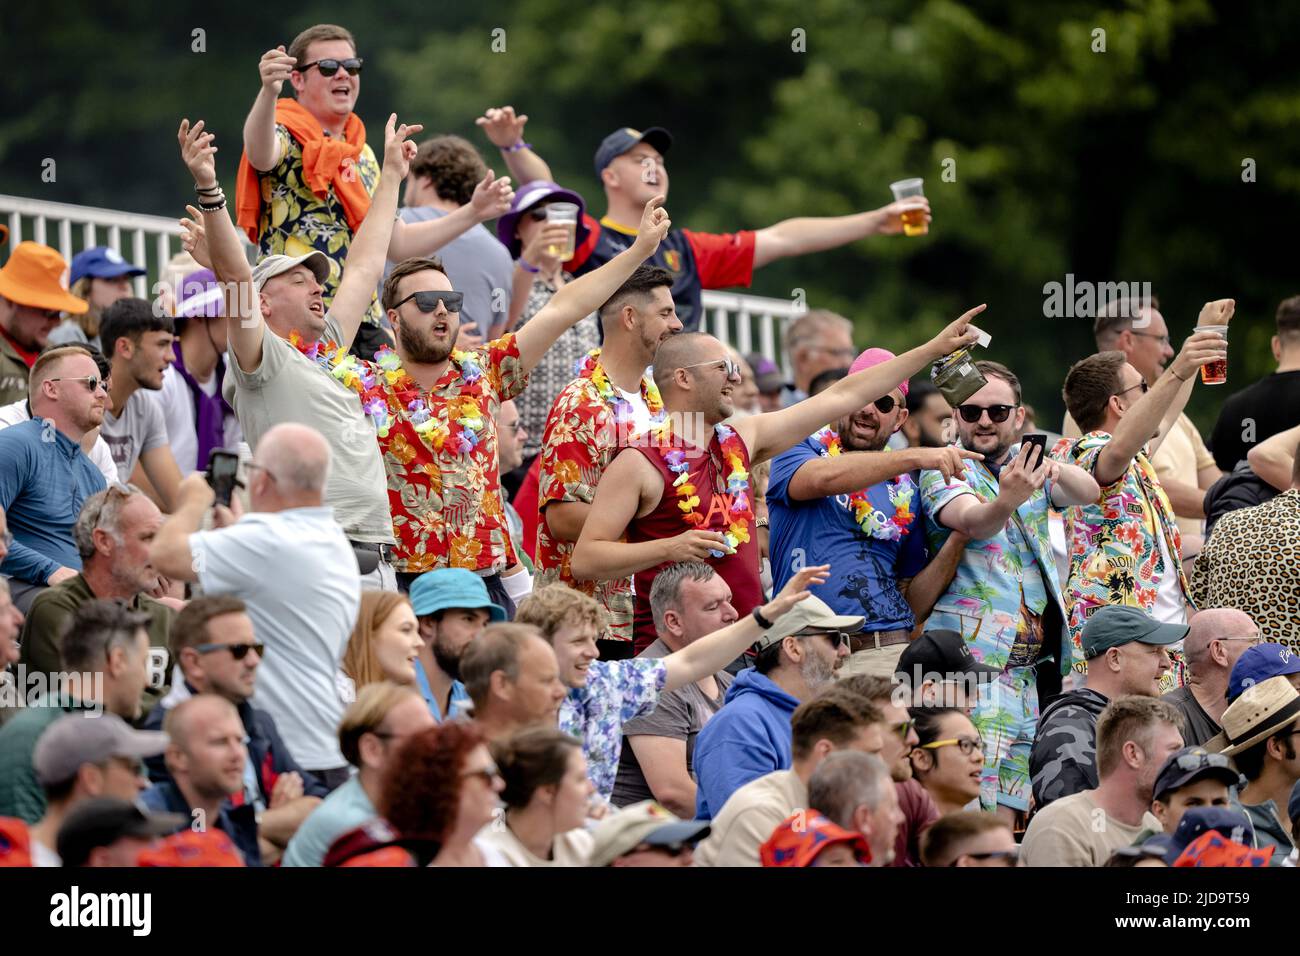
[873, 522]
[589, 367]
[741, 511]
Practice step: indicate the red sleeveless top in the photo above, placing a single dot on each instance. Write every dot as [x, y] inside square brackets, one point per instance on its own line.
[739, 570]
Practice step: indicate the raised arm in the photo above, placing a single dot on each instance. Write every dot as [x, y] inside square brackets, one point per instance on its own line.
[1017, 482]
[364, 266]
[170, 551]
[773, 432]
[713, 652]
[260, 144]
[1071, 485]
[855, 470]
[492, 198]
[1168, 395]
[583, 296]
[506, 130]
[931, 583]
[797, 237]
[1274, 458]
[245, 328]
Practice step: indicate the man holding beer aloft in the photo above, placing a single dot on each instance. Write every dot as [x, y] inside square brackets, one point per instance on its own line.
[1124, 547]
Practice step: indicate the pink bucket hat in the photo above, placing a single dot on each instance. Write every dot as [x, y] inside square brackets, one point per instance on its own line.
[873, 357]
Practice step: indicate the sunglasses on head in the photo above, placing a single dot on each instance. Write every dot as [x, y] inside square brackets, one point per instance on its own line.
[237, 651]
[428, 301]
[998, 414]
[329, 67]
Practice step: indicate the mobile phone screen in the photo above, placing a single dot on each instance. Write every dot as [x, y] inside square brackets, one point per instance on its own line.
[1039, 442]
[222, 466]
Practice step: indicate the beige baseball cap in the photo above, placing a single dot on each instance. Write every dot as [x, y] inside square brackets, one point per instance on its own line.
[645, 822]
[812, 613]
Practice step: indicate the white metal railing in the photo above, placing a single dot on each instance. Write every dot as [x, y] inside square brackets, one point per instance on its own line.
[752, 323]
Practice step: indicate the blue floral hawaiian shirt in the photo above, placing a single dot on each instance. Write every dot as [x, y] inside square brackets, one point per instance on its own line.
[616, 692]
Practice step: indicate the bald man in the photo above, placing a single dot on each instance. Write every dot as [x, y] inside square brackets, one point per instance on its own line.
[292, 565]
[1218, 637]
[206, 764]
[644, 515]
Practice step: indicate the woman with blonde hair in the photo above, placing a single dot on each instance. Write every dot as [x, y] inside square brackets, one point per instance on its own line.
[385, 643]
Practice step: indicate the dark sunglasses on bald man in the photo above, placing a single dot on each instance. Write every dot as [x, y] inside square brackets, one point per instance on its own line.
[428, 301]
[329, 67]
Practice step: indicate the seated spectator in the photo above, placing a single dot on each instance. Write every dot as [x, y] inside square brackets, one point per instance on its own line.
[385, 644]
[1217, 638]
[604, 695]
[937, 670]
[1261, 726]
[750, 735]
[106, 663]
[1209, 836]
[646, 834]
[374, 727]
[139, 344]
[113, 534]
[804, 840]
[1257, 663]
[969, 838]
[513, 680]
[1135, 736]
[291, 563]
[828, 722]
[1126, 650]
[452, 606]
[100, 277]
[36, 459]
[78, 759]
[205, 767]
[1192, 777]
[688, 600]
[854, 790]
[197, 415]
[212, 643]
[32, 295]
[111, 832]
[547, 794]
[949, 759]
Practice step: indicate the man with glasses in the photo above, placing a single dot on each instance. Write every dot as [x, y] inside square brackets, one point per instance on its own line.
[1004, 599]
[838, 497]
[441, 405]
[1183, 464]
[1215, 641]
[33, 293]
[817, 341]
[290, 202]
[213, 644]
[684, 491]
[45, 478]
[1192, 777]
[1125, 546]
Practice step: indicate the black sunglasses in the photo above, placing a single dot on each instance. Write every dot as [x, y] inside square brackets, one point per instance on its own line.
[1141, 385]
[330, 67]
[237, 651]
[997, 413]
[428, 301]
[885, 405]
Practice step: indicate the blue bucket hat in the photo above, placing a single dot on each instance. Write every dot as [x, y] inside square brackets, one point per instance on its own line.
[526, 197]
[102, 262]
[447, 588]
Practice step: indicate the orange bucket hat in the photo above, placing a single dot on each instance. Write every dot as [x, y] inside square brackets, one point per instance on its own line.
[37, 276]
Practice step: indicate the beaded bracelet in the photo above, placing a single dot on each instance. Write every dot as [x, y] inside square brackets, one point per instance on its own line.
[216, 206]
[517, 147]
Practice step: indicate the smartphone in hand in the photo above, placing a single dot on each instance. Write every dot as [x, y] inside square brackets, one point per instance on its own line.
[222, 467]
[1039, 442]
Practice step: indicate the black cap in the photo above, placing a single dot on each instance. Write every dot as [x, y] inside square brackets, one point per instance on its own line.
[101, 821]
[940, 655]
[1191, 764]
[621, 140]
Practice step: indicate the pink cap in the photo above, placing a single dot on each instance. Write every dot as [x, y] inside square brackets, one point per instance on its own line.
[873, 357]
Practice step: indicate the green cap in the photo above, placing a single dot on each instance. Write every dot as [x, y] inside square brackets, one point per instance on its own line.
[1118, 624]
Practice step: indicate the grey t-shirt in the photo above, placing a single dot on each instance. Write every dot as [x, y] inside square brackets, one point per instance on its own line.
[1200, 725]
[140, 428]
[289, 387]
[680, 715]
[477, 264]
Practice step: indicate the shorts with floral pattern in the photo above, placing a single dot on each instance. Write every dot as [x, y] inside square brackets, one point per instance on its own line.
[1007, 719]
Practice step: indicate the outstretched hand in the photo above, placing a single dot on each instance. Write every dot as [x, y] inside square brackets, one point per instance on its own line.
[958, 334]
[796, 590]
[274, 68]
[492, 197]
[195, 238]
[502, 126]
[654, 226]
[198, 153]
[398, 149]
[891, 216]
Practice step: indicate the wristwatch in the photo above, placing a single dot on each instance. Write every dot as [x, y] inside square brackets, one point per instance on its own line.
[762, 622]
[760, 522]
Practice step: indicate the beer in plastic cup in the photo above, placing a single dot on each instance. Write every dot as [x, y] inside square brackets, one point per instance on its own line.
[565, 213]
[914, 223]
[1216, 372]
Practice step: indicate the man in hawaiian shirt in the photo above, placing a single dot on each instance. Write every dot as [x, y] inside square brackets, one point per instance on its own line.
[1124, 545]
[611, 399]
[838, 496]
[1004, 599]
[436, 408]
[683, 494]
[604, 695]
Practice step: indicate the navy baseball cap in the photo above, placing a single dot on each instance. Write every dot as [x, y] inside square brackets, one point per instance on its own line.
[1191, 764]
[1257, 664]
[446, 588]
[1118, 624]
[1231, 824]
[101, 262]
[621, 140]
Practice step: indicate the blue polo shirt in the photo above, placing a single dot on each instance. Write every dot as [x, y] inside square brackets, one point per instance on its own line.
[865, 570]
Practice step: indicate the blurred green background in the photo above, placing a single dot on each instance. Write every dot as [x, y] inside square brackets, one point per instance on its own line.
[1117, 166]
